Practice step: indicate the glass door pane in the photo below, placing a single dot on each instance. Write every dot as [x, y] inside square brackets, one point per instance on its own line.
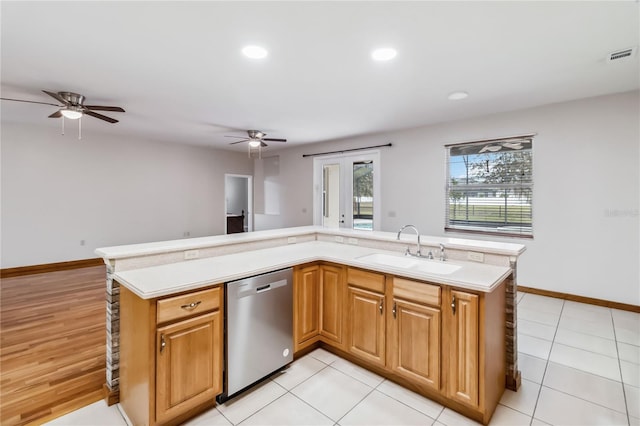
[331, 195]
[362, 191]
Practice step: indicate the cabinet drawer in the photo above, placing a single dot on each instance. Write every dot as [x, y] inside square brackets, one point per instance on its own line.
[185, 305]
[414, 290]
[366, 280]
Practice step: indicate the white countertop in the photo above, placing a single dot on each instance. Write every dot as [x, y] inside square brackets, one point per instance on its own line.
[145, 249]
[172, 278]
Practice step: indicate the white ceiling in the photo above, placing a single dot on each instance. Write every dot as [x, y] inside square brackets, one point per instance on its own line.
[177, 69]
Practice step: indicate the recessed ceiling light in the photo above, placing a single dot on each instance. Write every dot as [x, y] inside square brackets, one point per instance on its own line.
[384, 54]
[254, 52]
[456, 96]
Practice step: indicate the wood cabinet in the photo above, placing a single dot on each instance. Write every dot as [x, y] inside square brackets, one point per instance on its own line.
[414, 332]
[365, 315]
[331, 298]
[474, 350]
[171, 355]
[463, 348]
[318, 293]
[306, 306]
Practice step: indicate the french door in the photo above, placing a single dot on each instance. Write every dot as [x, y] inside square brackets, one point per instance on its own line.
[347, 191]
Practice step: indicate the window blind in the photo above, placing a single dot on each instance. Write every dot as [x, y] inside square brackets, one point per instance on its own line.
[490, 187]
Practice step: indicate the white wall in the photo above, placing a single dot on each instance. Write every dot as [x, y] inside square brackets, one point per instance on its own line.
[58, 190]
[586, 189]
[237, 193]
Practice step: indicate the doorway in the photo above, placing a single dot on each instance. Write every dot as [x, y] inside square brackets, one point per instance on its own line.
[238, 194]
[347, 191]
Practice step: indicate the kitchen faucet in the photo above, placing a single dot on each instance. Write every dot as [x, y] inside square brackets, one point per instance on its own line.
[442, 256]
[408, 251]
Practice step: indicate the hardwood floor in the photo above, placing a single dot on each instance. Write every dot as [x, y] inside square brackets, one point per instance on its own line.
[52, 344]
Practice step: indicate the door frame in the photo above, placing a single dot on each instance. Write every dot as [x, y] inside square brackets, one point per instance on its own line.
[249, 212]
[346, 188]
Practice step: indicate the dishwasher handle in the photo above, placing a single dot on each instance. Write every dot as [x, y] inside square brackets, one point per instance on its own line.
[247, 289]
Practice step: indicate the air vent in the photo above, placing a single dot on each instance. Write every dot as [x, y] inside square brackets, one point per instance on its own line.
[621, 54]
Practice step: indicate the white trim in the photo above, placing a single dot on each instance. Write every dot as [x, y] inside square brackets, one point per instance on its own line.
[345, 177]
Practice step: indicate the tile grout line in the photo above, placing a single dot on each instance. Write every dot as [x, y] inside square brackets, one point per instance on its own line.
[624, 391]
[546, 366]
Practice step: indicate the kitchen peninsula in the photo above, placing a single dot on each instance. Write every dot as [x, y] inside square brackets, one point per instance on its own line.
[355, 270]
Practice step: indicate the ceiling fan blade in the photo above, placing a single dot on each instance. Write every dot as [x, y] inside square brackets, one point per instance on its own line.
[233, 143]
[57, 97]
[274, 140]
[104, 108]
[100, 116]
[56, 114]
[238, 137]
[29, 102]
[262, 144]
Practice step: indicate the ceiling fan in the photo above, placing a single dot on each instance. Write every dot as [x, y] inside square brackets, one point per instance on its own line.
[256, 139]
[73, 106]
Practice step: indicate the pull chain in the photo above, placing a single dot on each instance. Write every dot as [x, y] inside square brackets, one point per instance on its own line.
[79, 128]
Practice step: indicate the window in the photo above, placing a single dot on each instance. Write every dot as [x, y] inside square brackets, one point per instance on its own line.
[489, 187]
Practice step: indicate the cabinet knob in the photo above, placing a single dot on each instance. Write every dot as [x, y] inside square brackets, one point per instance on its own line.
[453, 305]
[394, 309]
[163, 343]
[380, 306]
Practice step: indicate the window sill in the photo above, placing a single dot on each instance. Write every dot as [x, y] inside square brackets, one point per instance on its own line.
[488, 232]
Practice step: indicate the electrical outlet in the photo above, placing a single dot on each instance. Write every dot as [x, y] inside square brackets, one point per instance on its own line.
[475, 256]
[191, 254]
[82, 242]
[291, 240]
[339, 239]
[353, 241]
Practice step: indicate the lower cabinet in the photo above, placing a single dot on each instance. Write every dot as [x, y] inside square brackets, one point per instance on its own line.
[306, 306]
[188, 365]
[414, 343]
[464, 372]
[171, 355]
[443, 342]
[318, 294]
[365, 316]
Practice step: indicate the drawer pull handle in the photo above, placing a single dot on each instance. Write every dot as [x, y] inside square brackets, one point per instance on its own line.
[191, 306]
[162, 343]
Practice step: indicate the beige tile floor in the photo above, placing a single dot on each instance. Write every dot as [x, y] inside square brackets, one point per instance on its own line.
[580, 366]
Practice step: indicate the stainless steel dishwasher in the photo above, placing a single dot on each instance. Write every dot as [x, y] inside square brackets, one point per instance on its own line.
[259, 317]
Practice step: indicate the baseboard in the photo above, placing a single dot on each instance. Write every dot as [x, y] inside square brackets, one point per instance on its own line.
[110, 396]
[581, 299]
[50, 267]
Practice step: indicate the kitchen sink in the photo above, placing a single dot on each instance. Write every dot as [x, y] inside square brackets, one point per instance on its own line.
[436, 267]
[390, 260]
[415, 264]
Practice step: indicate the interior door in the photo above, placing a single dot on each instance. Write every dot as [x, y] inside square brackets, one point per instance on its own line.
[347, 191]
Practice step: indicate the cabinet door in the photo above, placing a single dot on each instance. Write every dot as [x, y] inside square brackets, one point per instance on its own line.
[331, 296]
[367, 325]
[189, 364]
[306, 293]
[416, 342]
[463, 348]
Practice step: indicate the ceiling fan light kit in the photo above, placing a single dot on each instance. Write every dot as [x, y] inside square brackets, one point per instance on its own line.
[71, 113]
